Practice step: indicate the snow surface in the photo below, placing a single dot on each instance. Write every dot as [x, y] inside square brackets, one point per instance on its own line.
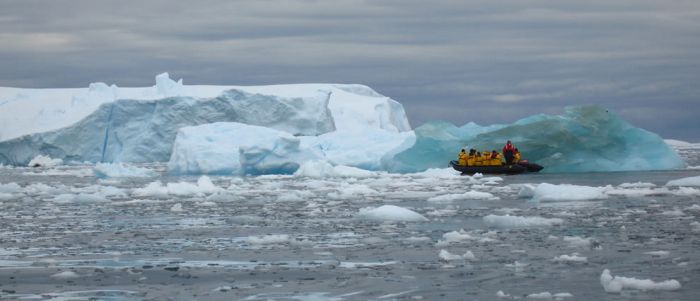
[615, 284]
[390, 213]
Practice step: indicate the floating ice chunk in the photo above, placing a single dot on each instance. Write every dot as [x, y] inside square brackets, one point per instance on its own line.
[566, 192]
[658, 253]
[577, 241]
[637, 185]
[268, 239]
[501, 294]
[176, 208]
[525, 191]
[390, 213]
[65, 275]
[615, 284]
[549, 296]
[44, 161]
[469, 195]
[444, 255]
[575, 257]
[79, 198]
[674, 212]
[323, 169]
[689, 181]
[508, 221]
[6, 196]
[156, 189]
[440, 173]
[694, 207]
[10, 188]
[119, 170]
[686, 191]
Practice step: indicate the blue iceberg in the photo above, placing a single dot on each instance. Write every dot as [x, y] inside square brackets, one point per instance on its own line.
[583, 139]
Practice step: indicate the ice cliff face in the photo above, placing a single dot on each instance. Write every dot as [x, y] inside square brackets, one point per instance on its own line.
[111, 124]
[587, 138]
[143, 131]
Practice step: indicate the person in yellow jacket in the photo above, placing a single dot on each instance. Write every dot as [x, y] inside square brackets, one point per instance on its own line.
[496, 158]
[478, 159]
[462, 158]
[471, 157]
[516, 156]
[486, 158]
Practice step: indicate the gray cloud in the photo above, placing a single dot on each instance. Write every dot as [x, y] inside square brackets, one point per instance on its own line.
[482, 61]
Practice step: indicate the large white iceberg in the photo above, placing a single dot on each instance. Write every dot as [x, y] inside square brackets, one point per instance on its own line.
[236, 148]
[111, 124]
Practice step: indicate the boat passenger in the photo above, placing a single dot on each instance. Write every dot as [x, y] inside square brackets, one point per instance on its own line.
[496, 158]
[516, 156]
[471, 157]
[486, 158]
[462, 158]
[508, 150]
[478, 161]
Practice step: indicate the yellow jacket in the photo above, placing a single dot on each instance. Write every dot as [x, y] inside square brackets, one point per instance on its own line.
[486, 158]
[478, 160]
[496, 161]
[516, 157]
[471, 160]
[462, 158]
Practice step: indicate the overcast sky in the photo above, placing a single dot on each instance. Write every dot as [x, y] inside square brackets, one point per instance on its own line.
[483, 61]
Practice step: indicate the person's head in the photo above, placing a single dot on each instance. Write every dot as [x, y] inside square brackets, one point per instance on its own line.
[478, 153]
[462, 150]
[508, 142]
[493, 152]
[516, 150]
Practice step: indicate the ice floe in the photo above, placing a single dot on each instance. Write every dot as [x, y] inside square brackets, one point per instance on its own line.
[390, 213]
[508, 221]
[616, 284]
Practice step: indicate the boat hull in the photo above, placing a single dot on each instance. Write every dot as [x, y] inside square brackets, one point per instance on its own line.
[502, 169]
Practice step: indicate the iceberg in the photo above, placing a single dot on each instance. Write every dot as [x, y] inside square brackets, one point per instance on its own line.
[236, 148]
[583, 139]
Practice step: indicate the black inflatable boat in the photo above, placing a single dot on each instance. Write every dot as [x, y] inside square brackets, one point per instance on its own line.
[503, 169]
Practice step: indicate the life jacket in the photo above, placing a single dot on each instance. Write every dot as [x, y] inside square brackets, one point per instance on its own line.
[508, 147]
[496, 160]
[462, 158]
[470, 160]
[516, 157]
[478, 161]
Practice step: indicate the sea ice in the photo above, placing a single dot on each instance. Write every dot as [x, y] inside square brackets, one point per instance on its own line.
[567, 192]
[615, 284]
[508, 221]
[689, 181]
[575, 257]
[390, 213]
[444, 255]
[323, 169]
[469, 195]
[119, 170]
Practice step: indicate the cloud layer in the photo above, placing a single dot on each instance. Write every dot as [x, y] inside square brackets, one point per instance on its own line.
[482, 61]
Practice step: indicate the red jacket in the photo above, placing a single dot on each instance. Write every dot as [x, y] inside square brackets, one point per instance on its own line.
[508, 147]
